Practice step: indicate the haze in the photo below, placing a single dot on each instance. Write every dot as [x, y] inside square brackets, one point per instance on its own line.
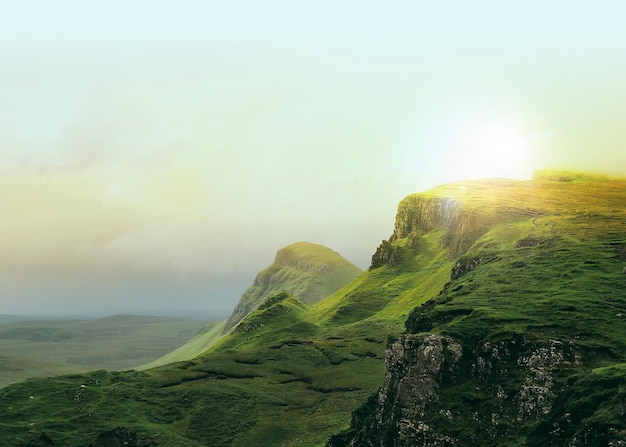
[154, 156]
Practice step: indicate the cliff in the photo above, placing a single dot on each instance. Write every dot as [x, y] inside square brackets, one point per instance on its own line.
[308, 271]
[526, 344]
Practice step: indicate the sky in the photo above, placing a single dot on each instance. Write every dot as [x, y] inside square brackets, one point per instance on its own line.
[154, 156]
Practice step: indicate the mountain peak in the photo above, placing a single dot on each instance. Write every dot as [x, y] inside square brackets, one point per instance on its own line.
[308, 271]
[307, 256]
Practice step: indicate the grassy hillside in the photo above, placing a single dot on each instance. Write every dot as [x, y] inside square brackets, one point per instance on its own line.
[536, 306]
[289, 374]
[308, 271]
[206, 337]
[481, 261]
[117, 342]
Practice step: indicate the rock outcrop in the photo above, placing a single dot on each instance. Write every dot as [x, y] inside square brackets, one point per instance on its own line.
[437, 393]
[418, 215]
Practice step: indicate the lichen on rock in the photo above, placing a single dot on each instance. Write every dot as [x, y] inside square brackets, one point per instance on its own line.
[501, 386]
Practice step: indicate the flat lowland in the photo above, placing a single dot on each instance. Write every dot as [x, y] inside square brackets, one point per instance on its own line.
[48, 347]
[15, 369]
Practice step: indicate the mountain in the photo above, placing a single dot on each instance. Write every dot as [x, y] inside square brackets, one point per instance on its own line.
[493, 315]
[308, 271]
[526, 344]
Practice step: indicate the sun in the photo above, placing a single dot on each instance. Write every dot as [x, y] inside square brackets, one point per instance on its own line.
[490, 145]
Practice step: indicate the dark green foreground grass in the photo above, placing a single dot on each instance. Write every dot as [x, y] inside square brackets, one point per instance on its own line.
[549, 258]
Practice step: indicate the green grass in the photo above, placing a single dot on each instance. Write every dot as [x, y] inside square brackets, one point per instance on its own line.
[543, 260]
[15, 369]
[554, 272]
[206, 337]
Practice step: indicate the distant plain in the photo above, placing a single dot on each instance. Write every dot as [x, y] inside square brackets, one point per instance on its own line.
[43, 347]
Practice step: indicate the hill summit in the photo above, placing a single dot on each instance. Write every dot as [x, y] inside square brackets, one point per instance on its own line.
[308, 271]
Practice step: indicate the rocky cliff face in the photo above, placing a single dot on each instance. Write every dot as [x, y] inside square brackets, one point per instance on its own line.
[308, 271]
[437, 393]
[418, 215]
[523, 345]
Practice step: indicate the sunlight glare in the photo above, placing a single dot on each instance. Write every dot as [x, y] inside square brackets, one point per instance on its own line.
[492, 146]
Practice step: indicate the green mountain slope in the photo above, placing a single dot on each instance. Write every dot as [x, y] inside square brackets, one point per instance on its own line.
[491, 298]
[308, 271]
[526, 344]
[206, 337]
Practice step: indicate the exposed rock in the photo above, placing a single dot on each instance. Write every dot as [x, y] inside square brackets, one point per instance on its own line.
[386, 253]
[247, 327]
[417, 215]
[463, 266]
[497, 389]
[417, 366]
[534, 242]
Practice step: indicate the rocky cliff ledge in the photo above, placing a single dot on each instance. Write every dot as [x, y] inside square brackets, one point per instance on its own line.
[418, 214]
[436, 393]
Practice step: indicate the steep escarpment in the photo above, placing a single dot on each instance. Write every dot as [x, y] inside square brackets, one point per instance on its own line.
[526, 344]
[418, 215]
[460, 225]
[436, 392]
[308, 271]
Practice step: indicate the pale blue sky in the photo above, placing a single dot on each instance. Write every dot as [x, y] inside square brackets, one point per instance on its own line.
[188, 141]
